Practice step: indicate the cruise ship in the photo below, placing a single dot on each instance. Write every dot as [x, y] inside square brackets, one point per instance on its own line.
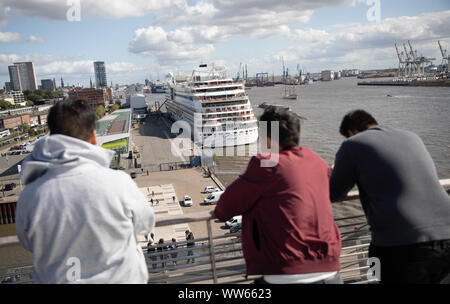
[222, 110]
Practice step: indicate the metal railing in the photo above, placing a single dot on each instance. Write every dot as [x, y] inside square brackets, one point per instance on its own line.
[219, 259]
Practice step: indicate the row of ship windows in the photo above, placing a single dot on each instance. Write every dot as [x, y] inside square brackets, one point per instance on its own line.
[225, 104]
[238, 114]
[217, 89]
[230, 119]
[219, 97]
[235, 132]
[207, 84]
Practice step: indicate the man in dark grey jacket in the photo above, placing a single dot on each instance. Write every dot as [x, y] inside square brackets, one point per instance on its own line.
[406, 207]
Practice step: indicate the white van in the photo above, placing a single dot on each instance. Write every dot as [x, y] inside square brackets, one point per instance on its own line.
[234, 221]
[211, 189]
[213, 198]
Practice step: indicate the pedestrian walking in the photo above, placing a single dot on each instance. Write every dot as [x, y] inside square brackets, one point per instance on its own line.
[174, 247]
[151, 250]
[162, 249]
[190, 243]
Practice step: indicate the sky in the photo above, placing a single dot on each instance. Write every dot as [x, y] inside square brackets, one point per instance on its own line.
[139, 39]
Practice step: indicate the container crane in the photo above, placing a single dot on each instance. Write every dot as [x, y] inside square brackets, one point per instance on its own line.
[445, 59]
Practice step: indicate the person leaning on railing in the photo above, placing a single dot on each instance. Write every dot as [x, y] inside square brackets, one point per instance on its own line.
[406, 207]
[288, 231]
[77, 216]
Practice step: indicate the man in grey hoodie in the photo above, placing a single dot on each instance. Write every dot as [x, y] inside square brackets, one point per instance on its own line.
[77, 216]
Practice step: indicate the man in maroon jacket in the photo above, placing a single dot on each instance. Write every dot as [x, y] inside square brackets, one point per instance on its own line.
[288, 231]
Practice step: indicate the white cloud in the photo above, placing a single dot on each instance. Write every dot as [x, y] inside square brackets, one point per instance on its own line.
[201, 25]
[9, 37]
[35, 39]
[369, 44]
[179, 46]
[57, 9]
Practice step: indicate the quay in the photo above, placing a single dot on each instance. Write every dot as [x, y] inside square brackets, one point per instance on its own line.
[411, 83]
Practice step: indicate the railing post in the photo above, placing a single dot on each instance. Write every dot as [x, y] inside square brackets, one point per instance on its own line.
[211, 252]
[362, 263]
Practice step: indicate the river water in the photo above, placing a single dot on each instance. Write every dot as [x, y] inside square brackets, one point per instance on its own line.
[422, 110]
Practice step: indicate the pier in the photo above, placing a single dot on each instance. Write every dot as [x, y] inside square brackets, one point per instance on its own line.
[411, 83]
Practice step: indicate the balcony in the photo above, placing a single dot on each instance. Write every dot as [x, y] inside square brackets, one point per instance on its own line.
[219, 259]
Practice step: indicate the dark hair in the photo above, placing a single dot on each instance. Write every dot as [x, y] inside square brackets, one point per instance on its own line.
[357, 120]
[289, 124]
[72, 118]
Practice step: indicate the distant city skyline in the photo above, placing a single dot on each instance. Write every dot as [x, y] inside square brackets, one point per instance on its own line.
[141, 39]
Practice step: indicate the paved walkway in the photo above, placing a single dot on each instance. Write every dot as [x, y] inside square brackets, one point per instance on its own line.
[166, 206]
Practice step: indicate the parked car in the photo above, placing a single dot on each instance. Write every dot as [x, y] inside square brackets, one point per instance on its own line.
[187, 202]
[211, 189]
[133, 174]
[234, 221]
[213, 198]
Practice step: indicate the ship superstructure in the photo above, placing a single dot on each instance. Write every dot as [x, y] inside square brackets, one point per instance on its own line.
[216, 107]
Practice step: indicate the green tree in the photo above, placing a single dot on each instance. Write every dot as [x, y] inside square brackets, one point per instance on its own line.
[26, 128]
[4, 105]
[100, 111]
[30, 103]
[114, 107]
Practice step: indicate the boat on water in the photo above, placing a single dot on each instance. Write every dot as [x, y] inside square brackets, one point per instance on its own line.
[216, 107]
[265, 105]
[308, 81]
[158, 87]
[289, 92]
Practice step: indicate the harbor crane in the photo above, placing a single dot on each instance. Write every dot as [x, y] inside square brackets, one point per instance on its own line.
[445, 59]
[239, 71]
[411, 65]
[284, 70]
[401, 62]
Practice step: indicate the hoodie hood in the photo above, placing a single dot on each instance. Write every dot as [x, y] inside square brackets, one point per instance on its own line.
[60, 151]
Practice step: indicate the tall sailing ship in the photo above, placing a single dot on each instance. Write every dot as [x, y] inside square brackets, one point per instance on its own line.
[222, 110]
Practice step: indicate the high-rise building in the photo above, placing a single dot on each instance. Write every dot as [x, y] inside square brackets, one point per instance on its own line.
[100, 74]
[48, 84]
[8, 86]
[26, 75]
[18, 97]
[14, 78]
[62, 83]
